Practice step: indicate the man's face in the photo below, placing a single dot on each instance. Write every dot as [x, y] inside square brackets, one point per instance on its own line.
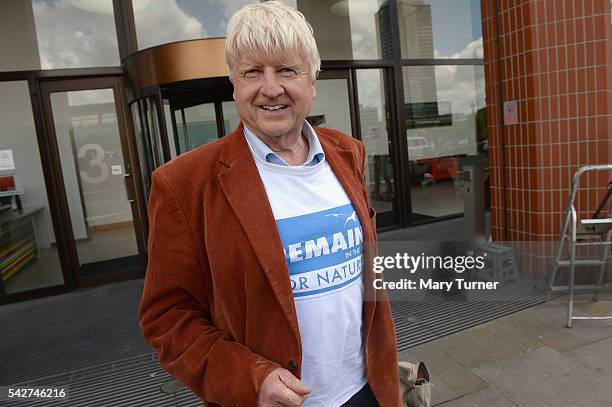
[273, 95]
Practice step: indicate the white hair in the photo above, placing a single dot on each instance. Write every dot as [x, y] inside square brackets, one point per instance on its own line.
[274, 29]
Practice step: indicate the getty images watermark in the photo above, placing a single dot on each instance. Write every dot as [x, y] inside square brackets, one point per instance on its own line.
[456, 265]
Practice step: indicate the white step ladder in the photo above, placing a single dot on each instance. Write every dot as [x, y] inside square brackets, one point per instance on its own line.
[576, 232]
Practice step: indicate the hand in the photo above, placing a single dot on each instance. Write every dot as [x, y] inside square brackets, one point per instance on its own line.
[282, 389]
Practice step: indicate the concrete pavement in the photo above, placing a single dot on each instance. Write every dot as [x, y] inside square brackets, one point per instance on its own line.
[525, 359]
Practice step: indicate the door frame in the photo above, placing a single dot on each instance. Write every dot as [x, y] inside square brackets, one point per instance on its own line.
[345, 73]
[130, 162]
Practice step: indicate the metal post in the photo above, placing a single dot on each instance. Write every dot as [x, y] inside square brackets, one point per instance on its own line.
[473, 202]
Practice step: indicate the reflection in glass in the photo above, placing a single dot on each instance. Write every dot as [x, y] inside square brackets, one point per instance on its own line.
[28, 251]
[172, 137]
[196, 125]
[154, 133]
[230, 116]
[373, 109]
[57, 34]
[349, 29]
[164, 21]
[440, 29]
[331, 107]
[145, 155]
[93, 172]
[445, 130]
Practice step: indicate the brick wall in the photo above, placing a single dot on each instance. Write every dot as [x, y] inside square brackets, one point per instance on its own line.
[553, 57]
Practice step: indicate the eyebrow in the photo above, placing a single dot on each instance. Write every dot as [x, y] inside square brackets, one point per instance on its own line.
[248, 66]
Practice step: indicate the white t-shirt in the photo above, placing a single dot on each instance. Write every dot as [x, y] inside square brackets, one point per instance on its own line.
[322, 239]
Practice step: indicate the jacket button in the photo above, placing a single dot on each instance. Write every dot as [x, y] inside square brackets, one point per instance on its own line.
[292, 365]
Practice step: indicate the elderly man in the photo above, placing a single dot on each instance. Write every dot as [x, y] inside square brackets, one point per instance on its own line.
[256, 293]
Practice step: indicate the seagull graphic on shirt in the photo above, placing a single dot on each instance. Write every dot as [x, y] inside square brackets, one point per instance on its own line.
[352, 217]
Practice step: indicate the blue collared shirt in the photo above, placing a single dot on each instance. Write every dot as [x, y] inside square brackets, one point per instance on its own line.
[265, 153]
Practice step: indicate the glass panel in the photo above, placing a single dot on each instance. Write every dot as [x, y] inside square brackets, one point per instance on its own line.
[373, 116]
[145, 156]
[331, 107]
[28, 250]
[445, 130]
[94, 177]
[349, 29]
[440, 29]
[230, 116]
[170, 129]
[181, 131]
[201, 124]
[164, 21]
[44, 34]
[152, 130]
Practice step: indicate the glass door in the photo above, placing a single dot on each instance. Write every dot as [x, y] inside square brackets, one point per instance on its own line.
[86, 122]
[333, 104]
[357, 104]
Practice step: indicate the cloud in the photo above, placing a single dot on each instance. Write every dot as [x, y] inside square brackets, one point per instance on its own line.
[365, 40]
[231, 6]
[461, 85]
[473, 50]
[163, 21]
[69, 37]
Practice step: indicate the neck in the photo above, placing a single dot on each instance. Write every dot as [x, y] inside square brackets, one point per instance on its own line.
[292, 147]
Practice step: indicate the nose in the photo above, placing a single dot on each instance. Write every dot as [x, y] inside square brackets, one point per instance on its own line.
[271, 86]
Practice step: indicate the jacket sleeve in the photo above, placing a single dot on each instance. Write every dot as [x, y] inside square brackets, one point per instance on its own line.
[175, 316]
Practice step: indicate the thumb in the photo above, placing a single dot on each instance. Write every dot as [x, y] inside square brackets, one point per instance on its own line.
[293, 383]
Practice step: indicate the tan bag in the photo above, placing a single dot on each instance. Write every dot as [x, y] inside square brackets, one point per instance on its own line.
[415, 388]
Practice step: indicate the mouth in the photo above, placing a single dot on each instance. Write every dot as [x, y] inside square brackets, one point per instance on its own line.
[273, 108]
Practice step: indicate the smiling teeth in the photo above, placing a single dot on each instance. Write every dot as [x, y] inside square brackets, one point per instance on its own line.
[274, 107]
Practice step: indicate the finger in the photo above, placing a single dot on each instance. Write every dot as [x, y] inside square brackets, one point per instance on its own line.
[293, 383]
[288, 398]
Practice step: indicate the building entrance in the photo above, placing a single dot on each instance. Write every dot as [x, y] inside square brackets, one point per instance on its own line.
[86, 123]
[177, 117]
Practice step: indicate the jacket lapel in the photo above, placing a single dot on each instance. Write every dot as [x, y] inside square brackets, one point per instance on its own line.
[247, 196]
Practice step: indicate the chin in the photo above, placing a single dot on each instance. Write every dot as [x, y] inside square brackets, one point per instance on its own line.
[273, 131]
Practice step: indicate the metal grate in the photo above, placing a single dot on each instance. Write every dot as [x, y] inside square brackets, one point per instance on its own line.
[421, 317]
[134, 382]
[69, 332]
[91, 348]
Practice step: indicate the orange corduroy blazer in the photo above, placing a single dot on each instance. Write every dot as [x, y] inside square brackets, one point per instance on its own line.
[217, 305]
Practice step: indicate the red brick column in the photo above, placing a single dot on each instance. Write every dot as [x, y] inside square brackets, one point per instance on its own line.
[554, 58]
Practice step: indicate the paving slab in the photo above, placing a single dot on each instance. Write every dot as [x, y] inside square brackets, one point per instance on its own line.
[546, 324]
[450, 379]
[485, 343]
[486, 397]
[543, 377]
[596, 356]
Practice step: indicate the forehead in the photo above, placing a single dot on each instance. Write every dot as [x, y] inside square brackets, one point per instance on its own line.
[290, 58]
